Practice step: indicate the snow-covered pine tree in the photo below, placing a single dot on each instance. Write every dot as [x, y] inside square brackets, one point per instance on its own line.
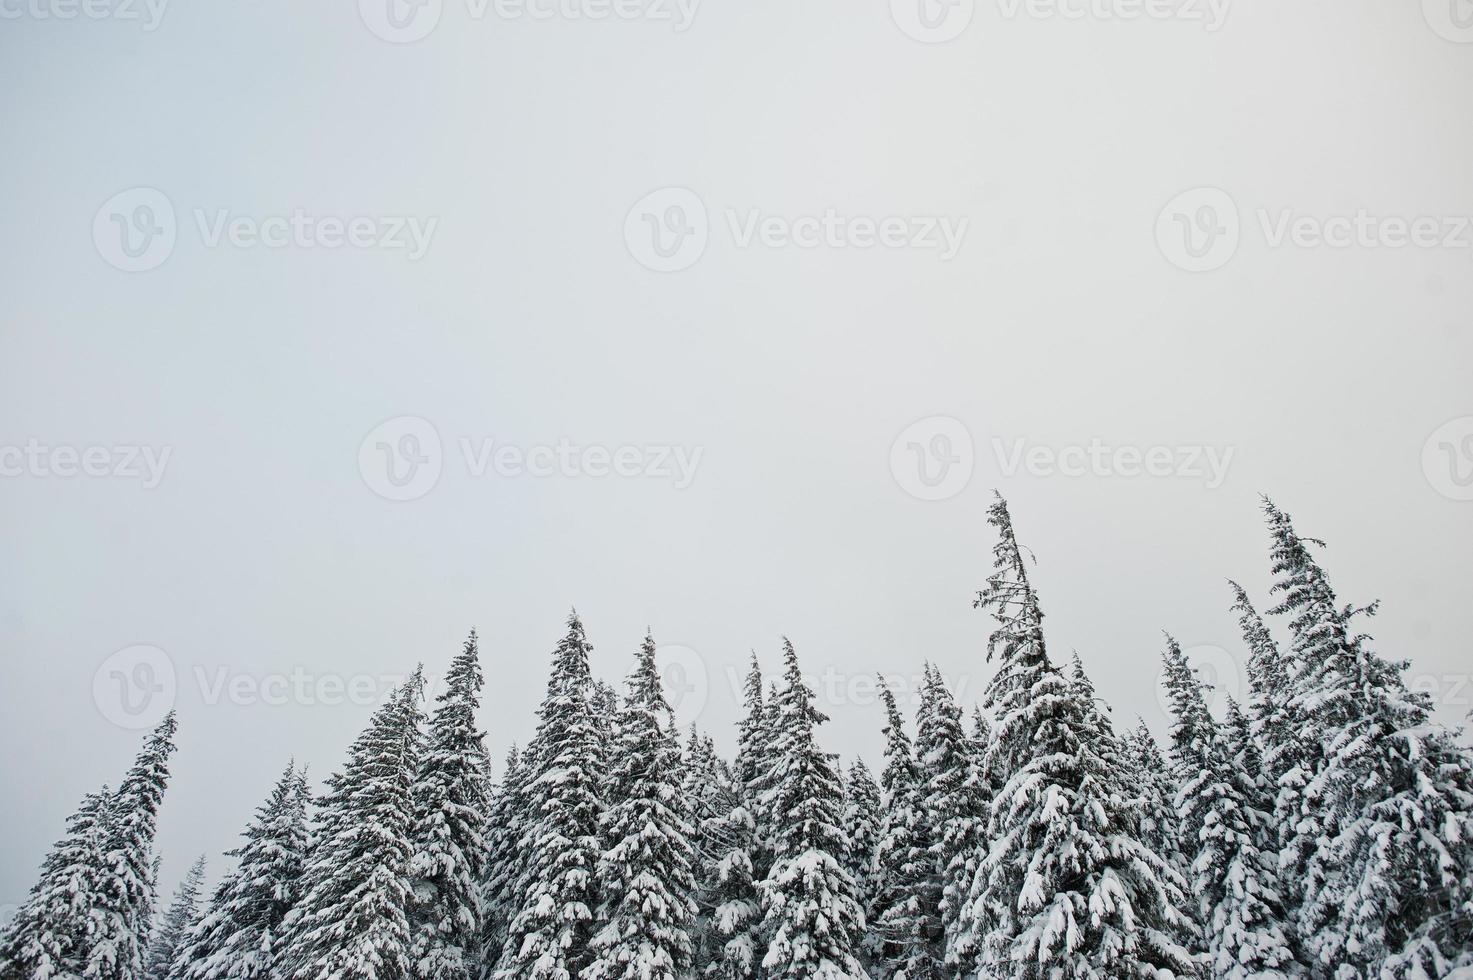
[899, 788]
[47, 939]
[1193, 749]
[123, 897]
[1067, 888]
[350, 922]
[1317, 629]
[506, 824]
[915, 922]
[706, 786]
[861, 821]
[731, 910]
[754, 765]
[954, 797]
[1387, 792]
[169, 932]
[646, 874]
[812, 917]
[1155, 796]
[234, 938]
[451, 795]
[1274, 726]
[548, 937]
[1235, 883]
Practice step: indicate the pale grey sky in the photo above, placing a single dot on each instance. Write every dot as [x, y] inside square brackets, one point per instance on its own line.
[782, 256]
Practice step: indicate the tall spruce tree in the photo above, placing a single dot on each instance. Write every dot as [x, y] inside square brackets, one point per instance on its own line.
[707, 788]
[754, 765]
[812, 916]
[451, 795]
[169, 932]
[1235, 883]
[1067, 889]
[351, 920]
[886, 945]
[731, 910]
[954, 797]
[506, 825]
[549, 935]
[237, 935]
[646, 874]
[1155, 796]
[123, 898]
[48, 938]
[1193, 747]
[861, 821]
[915, 921]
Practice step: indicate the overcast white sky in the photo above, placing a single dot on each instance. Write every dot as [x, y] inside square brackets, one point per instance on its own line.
[782, 383]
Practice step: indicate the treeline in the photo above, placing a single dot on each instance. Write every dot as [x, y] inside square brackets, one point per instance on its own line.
[1322, 830]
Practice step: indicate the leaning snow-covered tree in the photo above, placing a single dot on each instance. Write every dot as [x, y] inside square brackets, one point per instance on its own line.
[812, 916]
[1383, 797]
[1067, 888]
[350, 922]
[118, 933]
[646, 874]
